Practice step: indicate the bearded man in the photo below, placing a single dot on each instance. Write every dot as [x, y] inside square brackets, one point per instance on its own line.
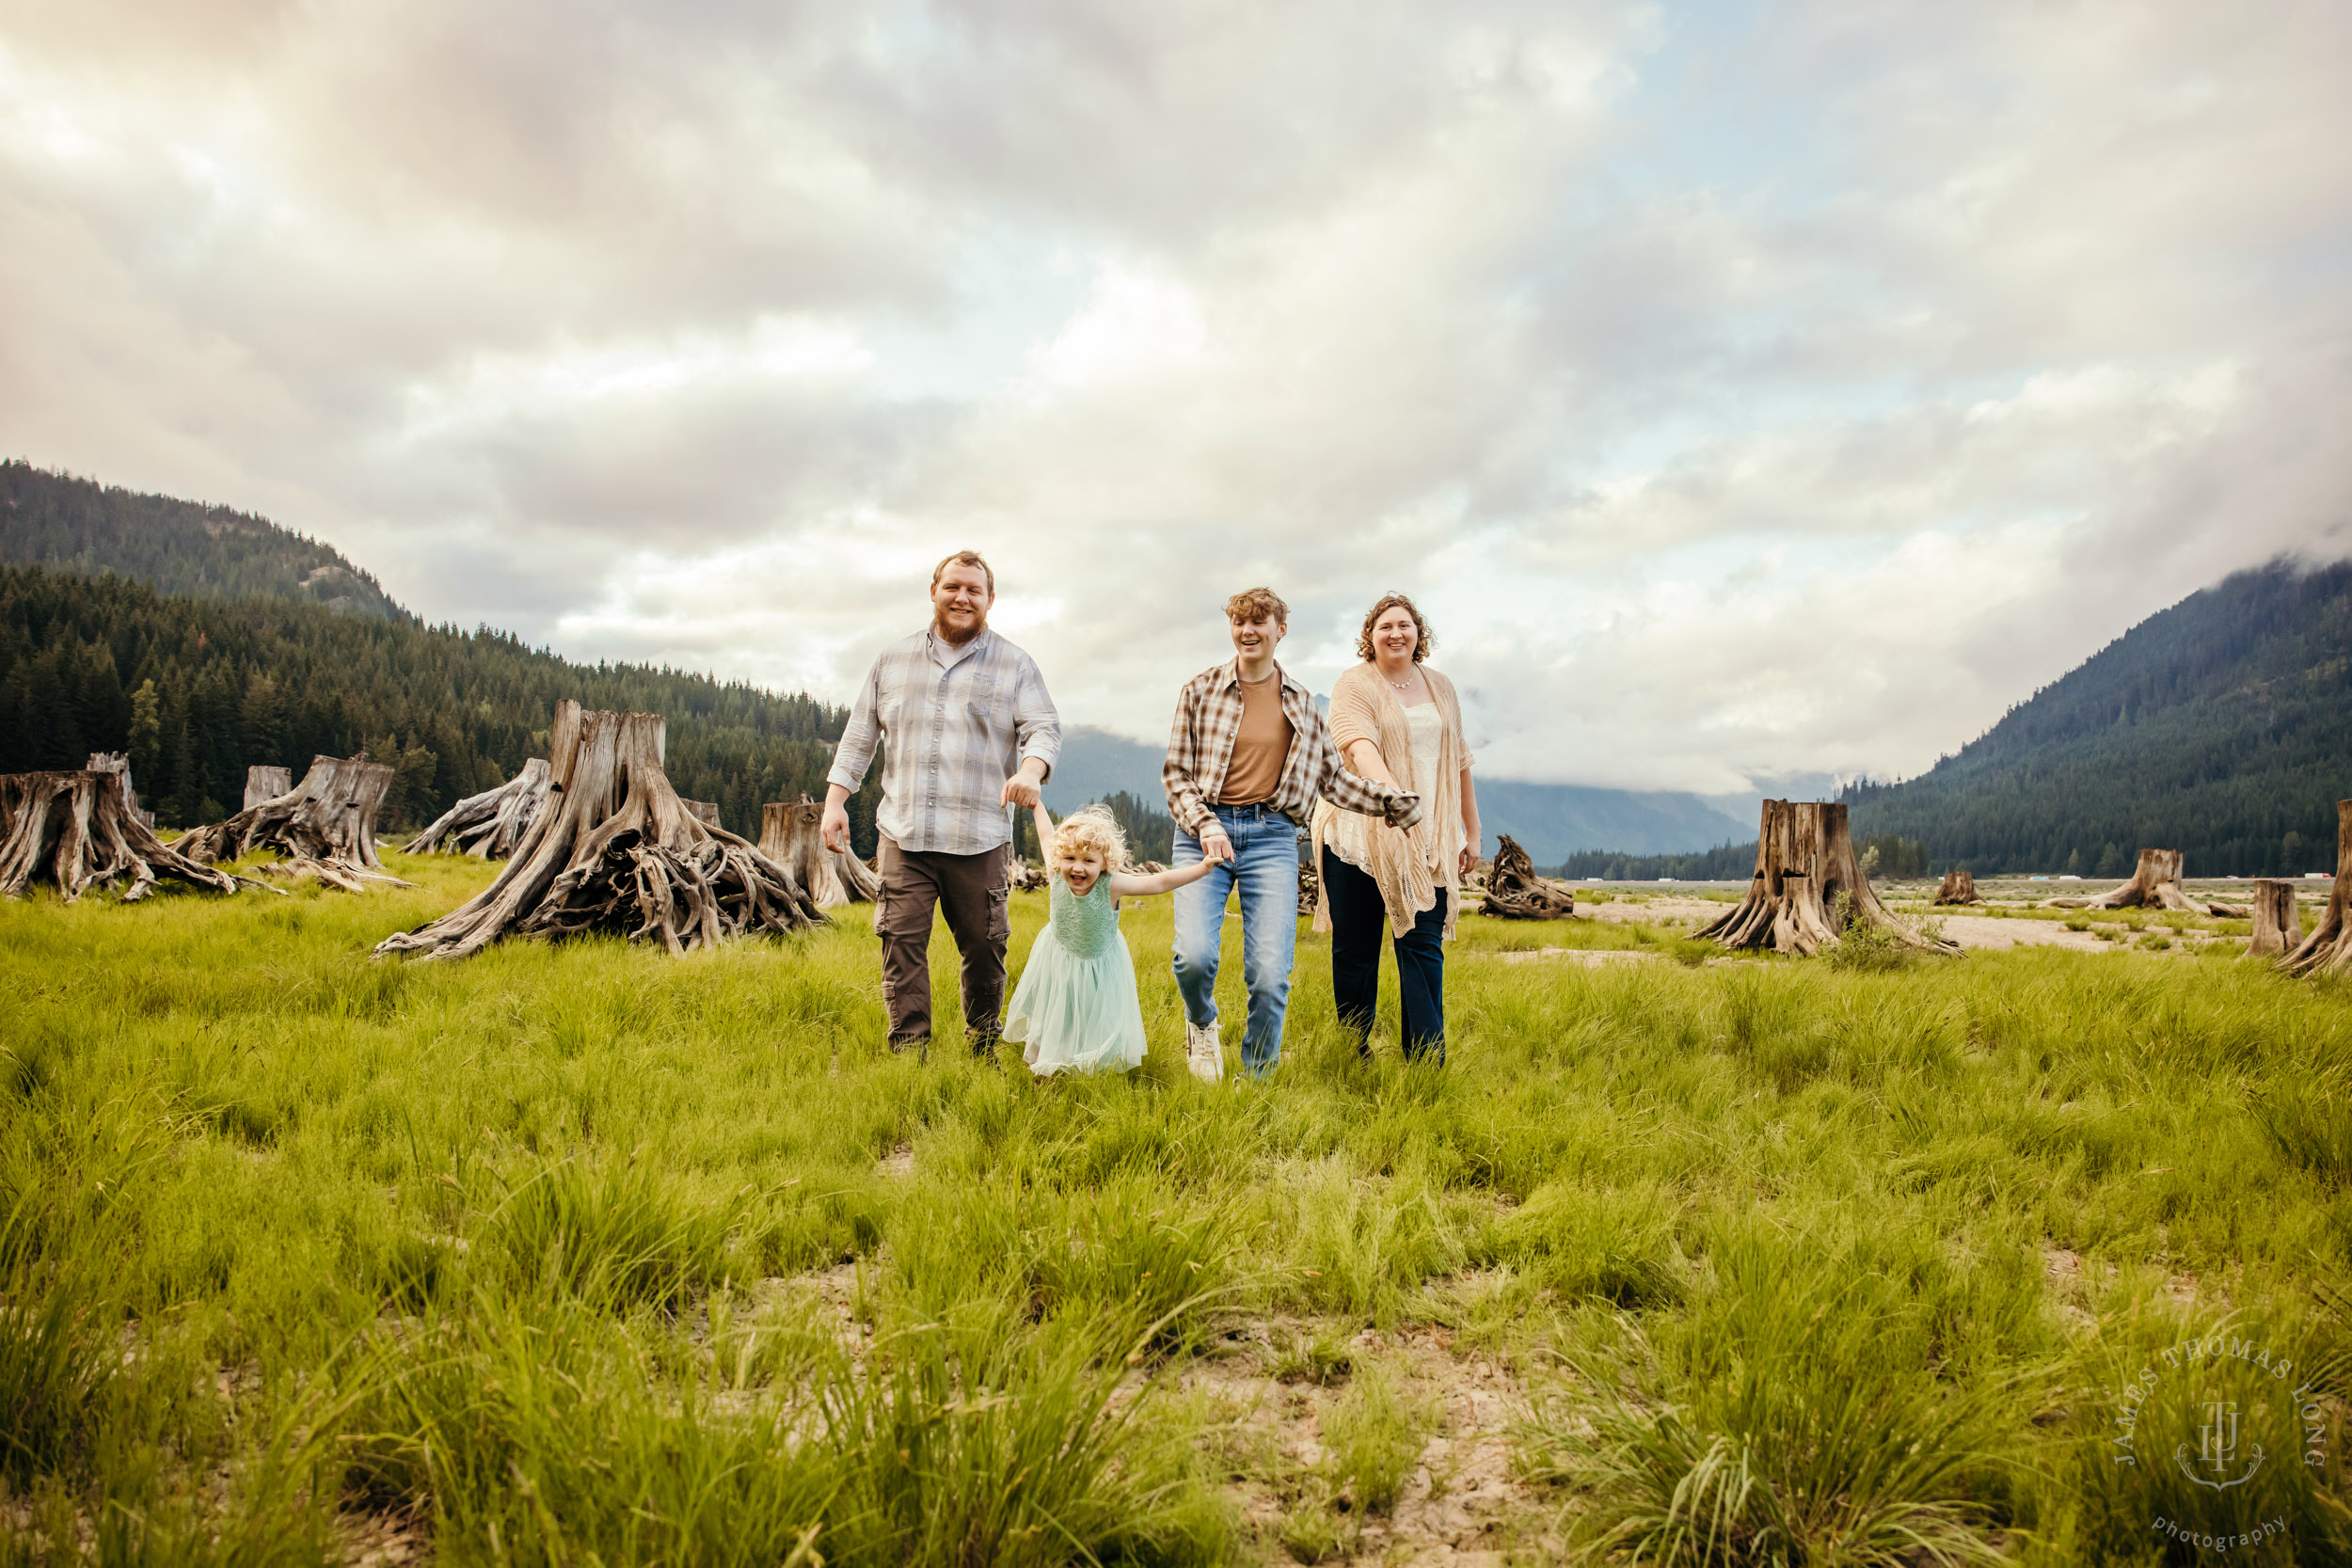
[968, 734]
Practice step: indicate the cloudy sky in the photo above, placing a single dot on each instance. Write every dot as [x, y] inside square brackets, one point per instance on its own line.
[1744, 388]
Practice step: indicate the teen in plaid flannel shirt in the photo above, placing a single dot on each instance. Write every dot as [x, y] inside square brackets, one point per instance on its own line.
[1233, 805]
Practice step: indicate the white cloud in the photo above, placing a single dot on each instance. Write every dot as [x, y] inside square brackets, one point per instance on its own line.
[1742, 396]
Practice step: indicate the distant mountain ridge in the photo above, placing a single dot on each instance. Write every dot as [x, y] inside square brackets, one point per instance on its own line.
[2221, 728]
[1551, 821]
[174, 546]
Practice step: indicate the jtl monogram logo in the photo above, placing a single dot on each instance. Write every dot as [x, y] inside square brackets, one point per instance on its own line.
[2216, 1450]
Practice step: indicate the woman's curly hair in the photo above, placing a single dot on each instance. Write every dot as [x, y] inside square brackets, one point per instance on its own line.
[1425, 642]
[1091, 829]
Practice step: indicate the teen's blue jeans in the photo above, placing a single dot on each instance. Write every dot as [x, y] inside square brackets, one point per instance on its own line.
[1264, 870]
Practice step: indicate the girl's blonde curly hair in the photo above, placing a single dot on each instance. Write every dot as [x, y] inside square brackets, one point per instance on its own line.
[1091, 829]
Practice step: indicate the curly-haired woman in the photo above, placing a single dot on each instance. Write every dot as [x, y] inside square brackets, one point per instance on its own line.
[1397, 723]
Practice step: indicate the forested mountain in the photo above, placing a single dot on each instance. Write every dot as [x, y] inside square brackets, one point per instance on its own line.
[2221, 728]
[196, 689]
[177, 547]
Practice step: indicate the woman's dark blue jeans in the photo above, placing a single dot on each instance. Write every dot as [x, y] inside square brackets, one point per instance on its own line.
[1359, 917]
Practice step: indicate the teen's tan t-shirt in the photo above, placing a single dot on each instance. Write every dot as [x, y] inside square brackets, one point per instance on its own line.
[1259, 746]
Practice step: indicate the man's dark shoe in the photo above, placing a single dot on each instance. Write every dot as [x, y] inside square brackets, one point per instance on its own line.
[919, 1044]
[984, 1046]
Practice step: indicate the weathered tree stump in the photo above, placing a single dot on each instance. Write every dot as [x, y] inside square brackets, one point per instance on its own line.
[704, 812]
[2329, 949]
[75, 828]
[264, 783]
[2277, 927]
[788, 835]
[2156, 885]
[616, 850]
[323, 828]
[119, 762]
[1030, 878]
[488, 826]
[1804, 863]
[1958, 886]
[1514, 892]
[1309, 890]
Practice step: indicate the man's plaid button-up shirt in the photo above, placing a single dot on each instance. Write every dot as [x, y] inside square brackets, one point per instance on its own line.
[954, 724]
[1200, 749]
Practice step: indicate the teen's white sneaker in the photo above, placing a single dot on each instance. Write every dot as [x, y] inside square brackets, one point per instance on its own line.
[1202, 1053]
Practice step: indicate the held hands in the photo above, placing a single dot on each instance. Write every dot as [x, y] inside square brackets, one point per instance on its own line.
[1021, 788]
[1215, 846]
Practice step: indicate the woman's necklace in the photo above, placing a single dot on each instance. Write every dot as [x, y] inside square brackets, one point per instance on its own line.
[1407, 683]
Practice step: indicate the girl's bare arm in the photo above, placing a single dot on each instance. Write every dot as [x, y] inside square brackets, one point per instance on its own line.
[1044, 833]
[1127, 885]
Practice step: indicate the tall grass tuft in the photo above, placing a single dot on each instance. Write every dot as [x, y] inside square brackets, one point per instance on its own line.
[1798, 1417]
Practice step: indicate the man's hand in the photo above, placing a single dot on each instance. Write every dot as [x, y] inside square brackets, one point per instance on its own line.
[1215, 847]
[833, 827]
[1021, 788]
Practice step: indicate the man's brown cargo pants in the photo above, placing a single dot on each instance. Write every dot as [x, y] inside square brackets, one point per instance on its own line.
[972, 891]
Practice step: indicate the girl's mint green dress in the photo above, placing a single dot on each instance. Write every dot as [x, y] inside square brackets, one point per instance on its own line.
[1075, 1006]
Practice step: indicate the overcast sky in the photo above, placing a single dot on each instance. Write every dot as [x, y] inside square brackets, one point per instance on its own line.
[1744, 388]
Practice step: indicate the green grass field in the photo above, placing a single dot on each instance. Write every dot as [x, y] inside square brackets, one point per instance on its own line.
[590, 1255]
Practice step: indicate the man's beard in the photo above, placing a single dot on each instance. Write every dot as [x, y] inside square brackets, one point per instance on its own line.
[945, 633]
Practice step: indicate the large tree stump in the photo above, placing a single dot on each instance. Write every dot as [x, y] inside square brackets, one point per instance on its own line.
[119, 762]
[2156, 885]
[264, 783]
[1804, 866]
[788, 835]
[616, 850]
[2329, 949]
[1958, 887]
[1514, 892]
[488, 826]
[323, 828]
[704, 812]
[76, 828]
[2278, 927]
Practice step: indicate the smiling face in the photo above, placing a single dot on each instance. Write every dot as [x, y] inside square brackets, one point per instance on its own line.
[1080, 868]
[1395, 635]
[1257, 636]
[960, 601]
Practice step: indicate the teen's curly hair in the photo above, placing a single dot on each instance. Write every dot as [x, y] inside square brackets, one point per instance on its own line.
[1421, 645]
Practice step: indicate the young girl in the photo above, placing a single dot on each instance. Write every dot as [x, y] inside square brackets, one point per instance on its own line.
[1075, 1005]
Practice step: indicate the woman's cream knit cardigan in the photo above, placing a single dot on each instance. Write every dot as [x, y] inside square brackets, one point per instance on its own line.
[1364, 708]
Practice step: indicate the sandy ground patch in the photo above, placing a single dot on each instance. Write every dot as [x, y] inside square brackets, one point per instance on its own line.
[1995, 935]
[1462, 1504]
[1654, 912]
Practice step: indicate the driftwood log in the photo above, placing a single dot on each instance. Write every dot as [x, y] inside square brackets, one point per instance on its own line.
[323, 828]
[488, 826]
[75, 828]
[618, 851]
[1958, 886]
[264, 783]
[1310, 889]
[1805, 869]
[2329, 949]
[1514, 892]
[1030, 878]
[788, 835]
[2277, 927]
